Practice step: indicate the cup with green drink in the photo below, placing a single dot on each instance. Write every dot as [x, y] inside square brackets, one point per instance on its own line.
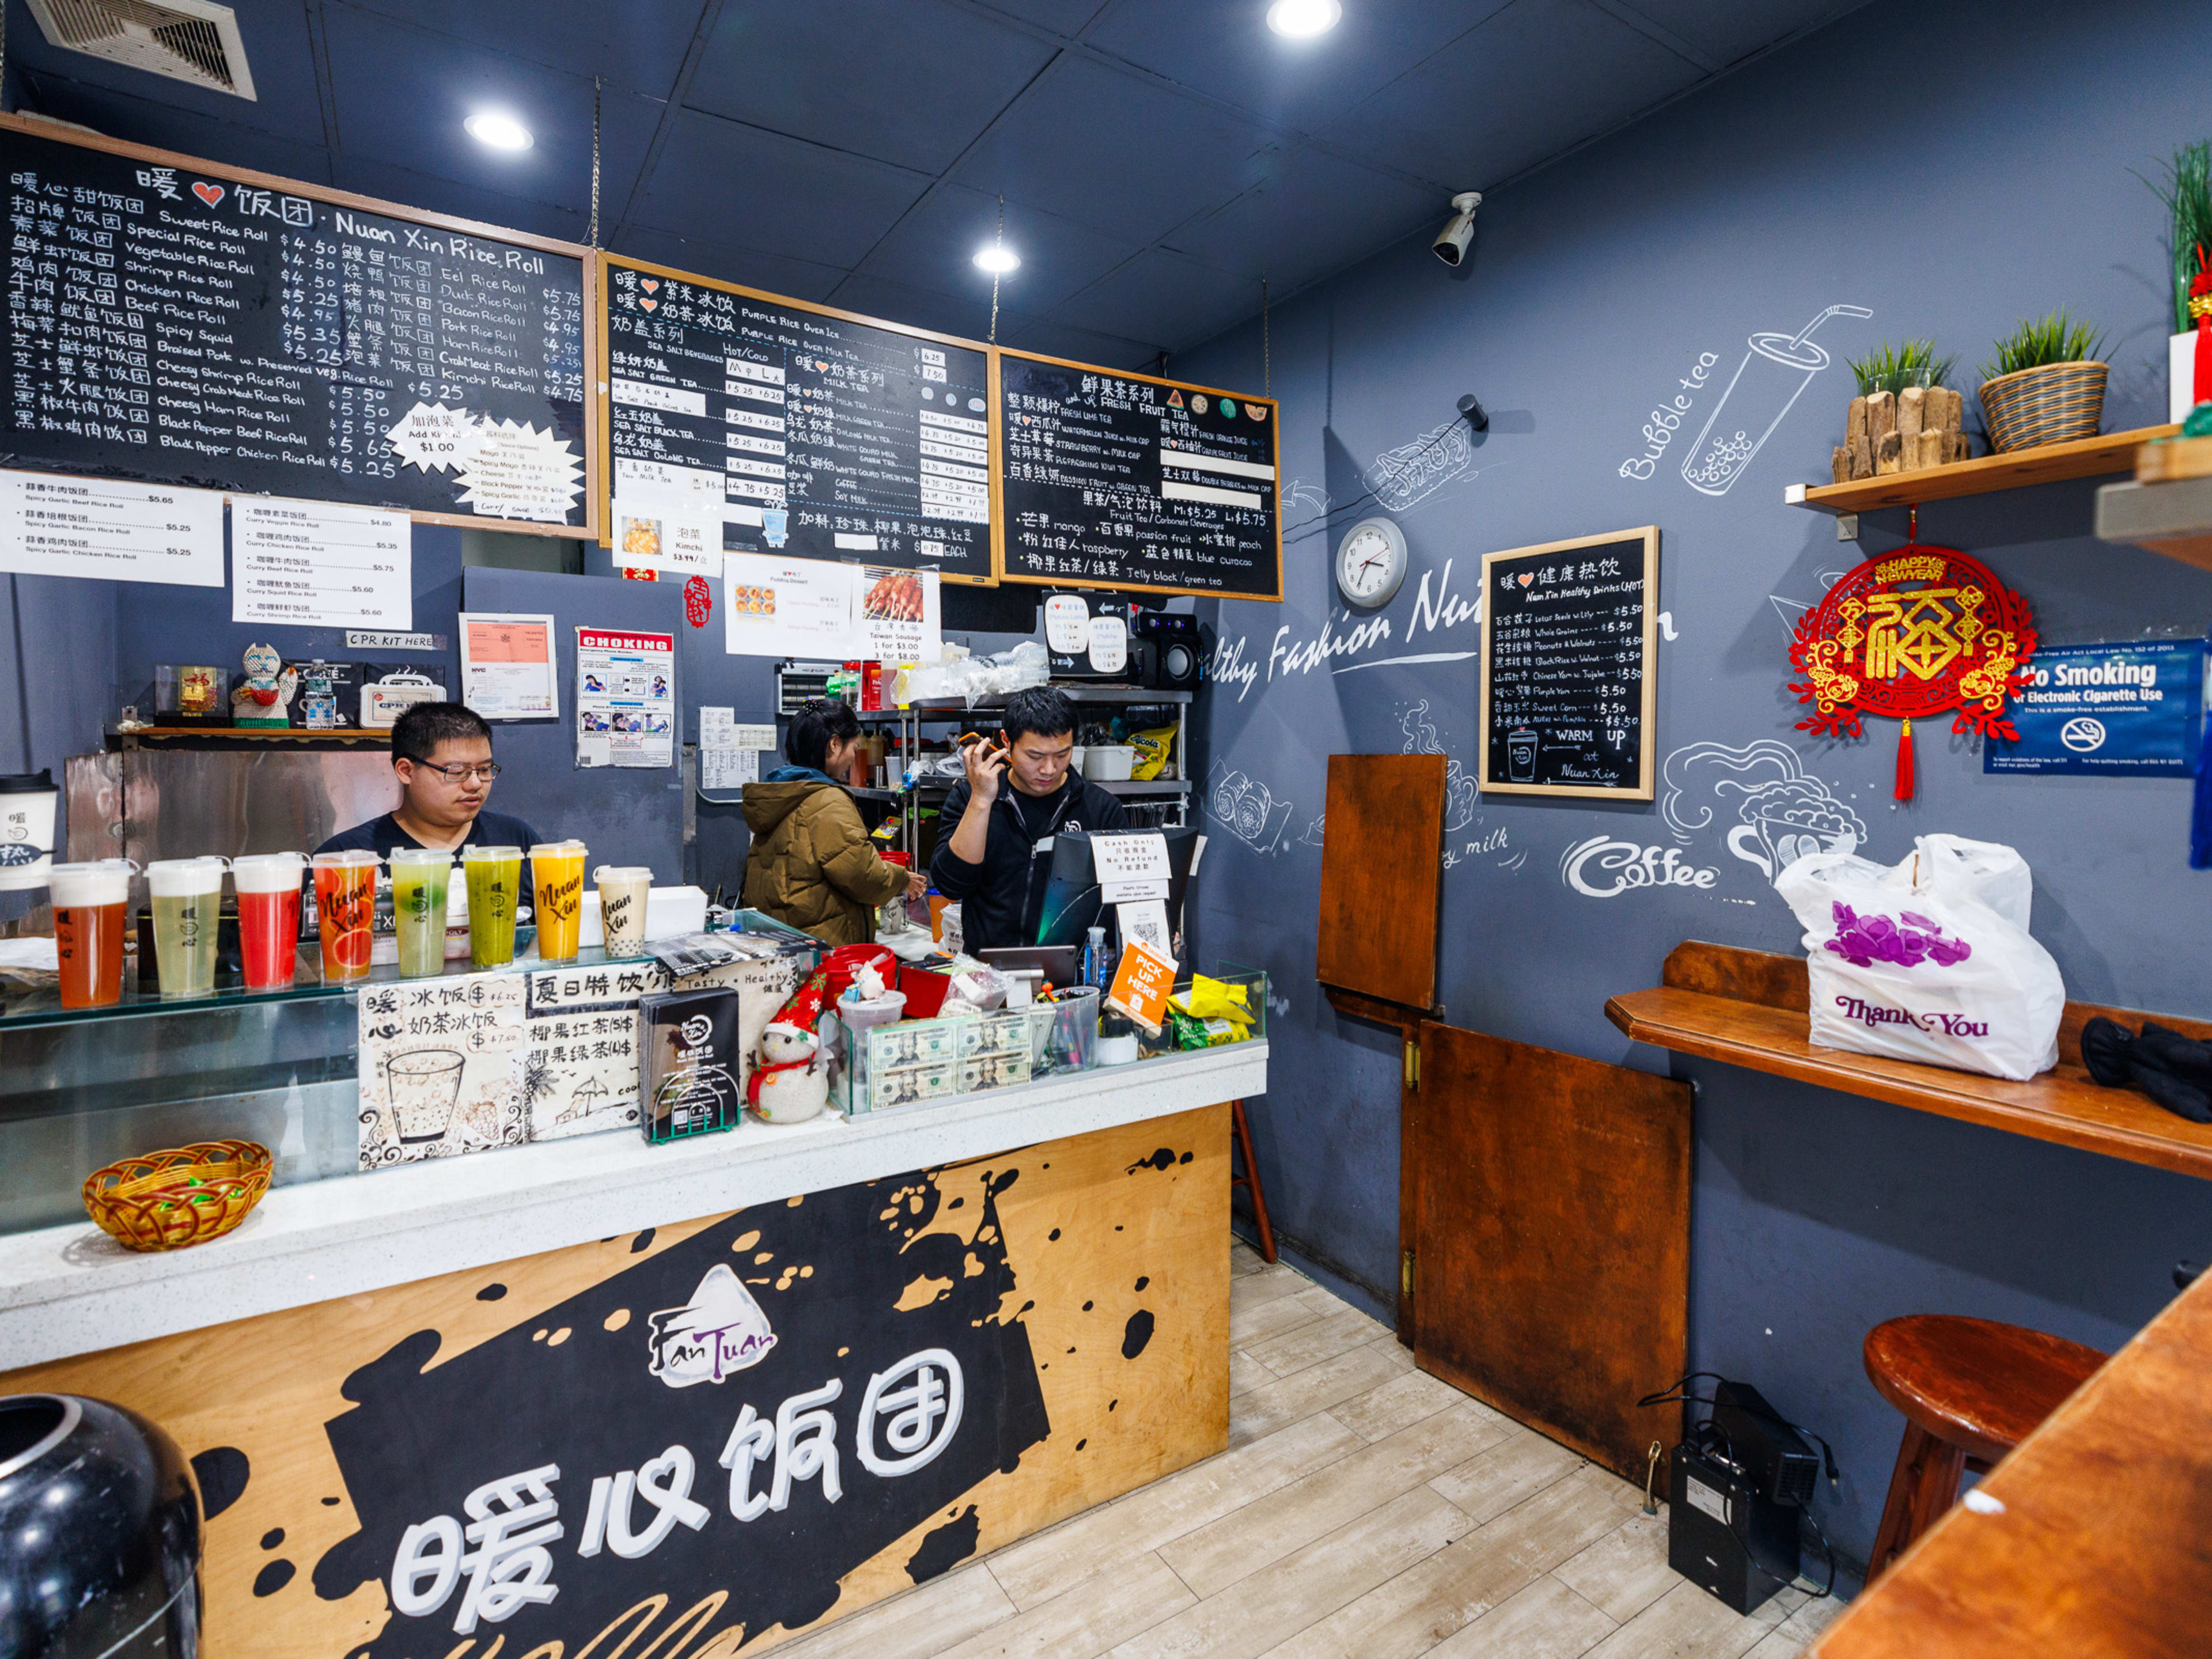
[420, 877]
[494, 884]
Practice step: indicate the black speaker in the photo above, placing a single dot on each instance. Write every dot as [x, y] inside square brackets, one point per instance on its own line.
[1177, 657]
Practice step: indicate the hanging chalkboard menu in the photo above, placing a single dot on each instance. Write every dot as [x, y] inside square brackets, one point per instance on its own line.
[1123, 481]
[1569, 633]
[183, 323]
[793, 428]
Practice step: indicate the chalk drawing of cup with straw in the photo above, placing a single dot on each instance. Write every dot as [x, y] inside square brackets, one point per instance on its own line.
[1774, 371]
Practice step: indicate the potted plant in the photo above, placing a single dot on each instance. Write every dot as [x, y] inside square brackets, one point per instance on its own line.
[1904, 418]
[2187, 193]
[2046, 384]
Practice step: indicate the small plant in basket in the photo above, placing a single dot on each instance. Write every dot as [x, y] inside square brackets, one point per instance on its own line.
[2045, 384]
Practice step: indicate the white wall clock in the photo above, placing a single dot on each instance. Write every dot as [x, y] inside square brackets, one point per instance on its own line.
[1370, 562]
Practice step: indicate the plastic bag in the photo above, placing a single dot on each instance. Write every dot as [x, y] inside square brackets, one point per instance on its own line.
[1154, 749]
[1929, 960]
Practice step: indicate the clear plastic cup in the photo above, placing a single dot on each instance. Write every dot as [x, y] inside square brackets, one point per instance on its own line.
[269, 917]
[625, 891]
[556, 870]
[421, 877]
[187, 905]
[494, 887]
[345, 906]
[89, 901]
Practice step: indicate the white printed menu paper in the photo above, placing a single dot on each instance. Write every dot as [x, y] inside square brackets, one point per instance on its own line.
[652, 536]
[506, 666]
[778, 607]
[52, 525]
[317, 564]
[898, 617]
[441, 1067]
[625, 698]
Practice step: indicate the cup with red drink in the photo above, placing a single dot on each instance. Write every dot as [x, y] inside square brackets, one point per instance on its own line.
[269, 917]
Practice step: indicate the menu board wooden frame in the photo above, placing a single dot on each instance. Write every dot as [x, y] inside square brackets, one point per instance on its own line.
[604, 401]
[594, 336]
[1088, 583]
[1648, 742]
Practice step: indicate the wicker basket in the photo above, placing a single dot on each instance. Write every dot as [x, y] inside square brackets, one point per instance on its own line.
[2046, 404]
[186, 1195]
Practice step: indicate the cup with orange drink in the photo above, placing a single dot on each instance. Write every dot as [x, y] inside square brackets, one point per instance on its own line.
[88, 900]
[345, 906]
[556, 872]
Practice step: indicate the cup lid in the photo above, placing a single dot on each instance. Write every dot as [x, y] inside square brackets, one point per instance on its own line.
[480, 851]
[268, 858]
[623, 871]
[26, 783]
[348, 855]
[556, 848]
[420, 855]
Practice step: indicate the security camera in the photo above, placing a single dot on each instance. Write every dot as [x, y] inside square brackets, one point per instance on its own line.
[1459, 230]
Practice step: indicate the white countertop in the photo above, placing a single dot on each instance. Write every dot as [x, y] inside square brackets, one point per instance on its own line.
[72, 1290]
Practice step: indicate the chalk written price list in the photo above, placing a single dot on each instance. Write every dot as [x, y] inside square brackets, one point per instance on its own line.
[317, 565]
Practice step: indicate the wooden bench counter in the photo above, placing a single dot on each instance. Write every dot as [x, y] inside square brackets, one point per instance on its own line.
[1747, 1007]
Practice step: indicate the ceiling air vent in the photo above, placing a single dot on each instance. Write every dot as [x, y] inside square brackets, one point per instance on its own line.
[192, 40]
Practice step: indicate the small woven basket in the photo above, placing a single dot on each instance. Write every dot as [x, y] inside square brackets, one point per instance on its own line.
[2046, 404]
[186, 1195]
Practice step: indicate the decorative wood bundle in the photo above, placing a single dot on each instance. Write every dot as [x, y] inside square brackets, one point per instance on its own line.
[1916, 428]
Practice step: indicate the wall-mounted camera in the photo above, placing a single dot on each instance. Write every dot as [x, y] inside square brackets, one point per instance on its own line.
[1452, 240]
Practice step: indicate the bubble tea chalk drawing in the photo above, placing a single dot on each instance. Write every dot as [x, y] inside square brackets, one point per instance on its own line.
[1775, 371]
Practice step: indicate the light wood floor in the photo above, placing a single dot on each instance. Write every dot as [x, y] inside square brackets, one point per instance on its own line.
[1364, 1511]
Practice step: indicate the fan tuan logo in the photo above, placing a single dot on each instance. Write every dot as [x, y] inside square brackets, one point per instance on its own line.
[720, 1332]
[696, 1030]
[2083, 734]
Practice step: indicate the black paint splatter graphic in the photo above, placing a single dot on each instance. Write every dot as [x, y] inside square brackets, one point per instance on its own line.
[419, 1440]
[1163, 1159]
[491, 1292]
[222, 1473]
[945, 1547]
[273, 1577]
[642, 1243]
[1136, 1334]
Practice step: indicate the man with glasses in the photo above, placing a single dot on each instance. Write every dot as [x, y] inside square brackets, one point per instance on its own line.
[442, 754]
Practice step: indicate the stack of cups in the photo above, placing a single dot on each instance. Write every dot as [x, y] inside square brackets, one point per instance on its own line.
[88, 900]
[187, 899]
[625, 891]
[420, 878]
[345, 905]
[494, 884]
[557, 868]
[269, 917]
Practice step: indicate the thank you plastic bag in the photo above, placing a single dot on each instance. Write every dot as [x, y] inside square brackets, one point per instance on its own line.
[1929, 959]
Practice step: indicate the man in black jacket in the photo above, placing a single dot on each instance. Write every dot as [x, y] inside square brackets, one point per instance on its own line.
[984, 862]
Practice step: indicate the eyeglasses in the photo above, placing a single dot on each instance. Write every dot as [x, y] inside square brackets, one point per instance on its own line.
[486, 772]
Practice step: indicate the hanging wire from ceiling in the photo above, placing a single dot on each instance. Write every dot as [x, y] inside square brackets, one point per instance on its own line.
[1001, 246]
[594, 236]
[1266, 347]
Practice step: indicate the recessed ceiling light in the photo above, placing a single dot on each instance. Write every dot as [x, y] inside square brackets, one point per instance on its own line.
[1301, 20]
[499, 132]
[997, 258]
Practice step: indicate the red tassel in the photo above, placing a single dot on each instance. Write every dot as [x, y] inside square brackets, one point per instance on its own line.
[1905, 763]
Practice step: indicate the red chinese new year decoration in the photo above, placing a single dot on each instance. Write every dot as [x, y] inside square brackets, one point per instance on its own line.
[2200, 308]
[698, 602]
[1916, 632]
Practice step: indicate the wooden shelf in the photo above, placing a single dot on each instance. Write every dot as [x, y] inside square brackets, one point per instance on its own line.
[263, 733]
[2081, 457]
[2174, 518]
[1747, 1008]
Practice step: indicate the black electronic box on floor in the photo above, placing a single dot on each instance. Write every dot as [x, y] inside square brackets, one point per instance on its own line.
[1735, 1542]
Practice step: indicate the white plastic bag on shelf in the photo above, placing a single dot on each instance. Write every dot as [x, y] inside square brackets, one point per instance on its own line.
[1929, 959]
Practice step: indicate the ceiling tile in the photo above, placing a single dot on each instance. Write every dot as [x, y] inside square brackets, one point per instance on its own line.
[638, 48]
[1107, 148]
[1315, 214]
[365, 176]
[759, 190]
[911, 81]
[1531, 82]
[771, 273]
[968, 316]
[934, 248]
[402, 96]
[278, 52]
[1726, 30]
[1228, 51]
[1165, 297]
[138, 121]
[1080, 345]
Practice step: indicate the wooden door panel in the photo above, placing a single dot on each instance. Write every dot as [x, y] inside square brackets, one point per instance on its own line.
[1551, 1234]
[1381, 870]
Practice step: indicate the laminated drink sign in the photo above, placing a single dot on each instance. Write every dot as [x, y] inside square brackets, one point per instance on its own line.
[1930, 960]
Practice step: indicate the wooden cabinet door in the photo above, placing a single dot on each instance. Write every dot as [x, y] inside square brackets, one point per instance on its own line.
[1382, 865]
[1549, 1213]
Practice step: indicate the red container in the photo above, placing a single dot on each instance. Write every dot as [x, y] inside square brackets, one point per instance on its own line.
[871, 687]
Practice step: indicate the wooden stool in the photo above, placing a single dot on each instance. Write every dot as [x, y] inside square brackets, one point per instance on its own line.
[1241, 1135]
[1971, 1390]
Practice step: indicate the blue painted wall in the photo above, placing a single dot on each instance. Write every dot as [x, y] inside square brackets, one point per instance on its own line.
[1995, 185]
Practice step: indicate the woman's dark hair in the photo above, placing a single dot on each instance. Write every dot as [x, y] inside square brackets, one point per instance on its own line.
[1040, 709]
[814, 726]
[417, 733]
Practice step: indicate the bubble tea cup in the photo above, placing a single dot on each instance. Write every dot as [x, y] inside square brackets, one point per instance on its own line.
[345, 908]
[493, 877]
[624, 893]
[269, 917]
[421, 877]
[187, 902]
[556, 870]
[89, 901]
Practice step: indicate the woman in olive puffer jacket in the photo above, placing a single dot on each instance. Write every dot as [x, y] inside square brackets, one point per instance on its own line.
[811, 864]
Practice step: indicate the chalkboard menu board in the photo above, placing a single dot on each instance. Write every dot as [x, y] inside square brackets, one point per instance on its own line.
[1123, 481]
[807, 432]
[1569, 633]
[187, 323]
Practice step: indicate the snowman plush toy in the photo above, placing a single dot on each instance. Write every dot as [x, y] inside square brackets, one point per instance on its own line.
[791, 1075]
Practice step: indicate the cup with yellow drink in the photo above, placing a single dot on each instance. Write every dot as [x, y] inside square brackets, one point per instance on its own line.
[494, 876]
